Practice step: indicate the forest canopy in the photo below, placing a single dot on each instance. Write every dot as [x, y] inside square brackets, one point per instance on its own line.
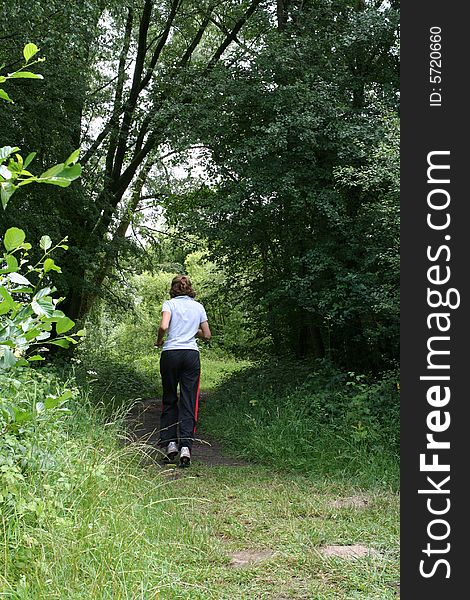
[262, 134]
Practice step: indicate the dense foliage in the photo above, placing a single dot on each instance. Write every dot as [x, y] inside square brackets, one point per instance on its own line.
[321, 421]
[29, 322]
[302, 205]
[253, 145]
[122, 117]
[263, 131]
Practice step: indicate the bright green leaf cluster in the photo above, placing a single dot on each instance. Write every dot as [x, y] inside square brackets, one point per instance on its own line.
[14, 171]
[29, 52]
[28, 309]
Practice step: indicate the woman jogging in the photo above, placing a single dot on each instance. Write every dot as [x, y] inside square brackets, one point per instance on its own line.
[184, 319]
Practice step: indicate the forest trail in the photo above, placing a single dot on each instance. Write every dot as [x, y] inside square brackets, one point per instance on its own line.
[269, 534]
[144, 426]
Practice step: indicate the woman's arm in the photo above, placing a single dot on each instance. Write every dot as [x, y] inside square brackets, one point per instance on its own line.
[164, 324]
[204, 331]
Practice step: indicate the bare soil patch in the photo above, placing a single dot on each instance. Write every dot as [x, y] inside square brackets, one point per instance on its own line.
[245, 558]
[351, 502]
[143, 422]
[350, 552]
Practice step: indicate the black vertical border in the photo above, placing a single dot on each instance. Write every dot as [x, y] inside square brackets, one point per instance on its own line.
[426, 128]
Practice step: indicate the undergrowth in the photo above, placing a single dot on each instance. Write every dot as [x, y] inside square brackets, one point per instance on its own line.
[312, 418]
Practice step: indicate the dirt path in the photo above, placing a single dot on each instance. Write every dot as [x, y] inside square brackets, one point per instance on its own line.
[284, 531]
[144, 425]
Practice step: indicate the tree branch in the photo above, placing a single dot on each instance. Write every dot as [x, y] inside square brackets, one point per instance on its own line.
[161, 44]
[134, 93]
[117, 108]
[231, 36]
[197, 38]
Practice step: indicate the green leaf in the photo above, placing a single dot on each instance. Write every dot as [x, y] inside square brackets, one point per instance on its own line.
[44, 292]
[71, 172]
[64, 324]
[29, 159]
[29, 51]
[44, 335]
[4, 308]
[52, 402]
[14, 238]
[60, 181]
[24, 75]
[43, 307]
[7, 299]
[7, 358]
[53, 171]
[72, 159]
[19, 279]
[12, 264]
[32, 334]
[61, 343]
[36, 357]
[45, 243]
[6, 151]
[5, 173]
[49, 265]
[28, 323]
[7, 189]
[5, 96]
[63, 178]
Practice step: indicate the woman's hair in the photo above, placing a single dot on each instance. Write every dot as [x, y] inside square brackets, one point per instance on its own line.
[181, 286]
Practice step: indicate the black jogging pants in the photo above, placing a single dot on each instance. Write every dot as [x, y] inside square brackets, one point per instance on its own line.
[183, 368]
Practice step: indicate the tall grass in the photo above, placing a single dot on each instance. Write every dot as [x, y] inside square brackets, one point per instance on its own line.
[97, 518]
[311, 418]
[99, 522]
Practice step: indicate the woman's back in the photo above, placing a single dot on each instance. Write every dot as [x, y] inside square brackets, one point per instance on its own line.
[186, 317]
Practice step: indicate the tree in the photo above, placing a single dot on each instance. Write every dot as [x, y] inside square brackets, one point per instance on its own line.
[47, 116]
[137, 64]
[280, 213]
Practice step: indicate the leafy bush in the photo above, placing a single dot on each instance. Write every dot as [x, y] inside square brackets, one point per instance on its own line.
[28, 310]
[29, 320]
[31, 406]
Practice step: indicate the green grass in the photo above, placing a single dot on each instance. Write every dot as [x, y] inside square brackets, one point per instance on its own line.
[117, 383]
[122, 529]
[316, 420]
[102, 521]
[215, 368]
